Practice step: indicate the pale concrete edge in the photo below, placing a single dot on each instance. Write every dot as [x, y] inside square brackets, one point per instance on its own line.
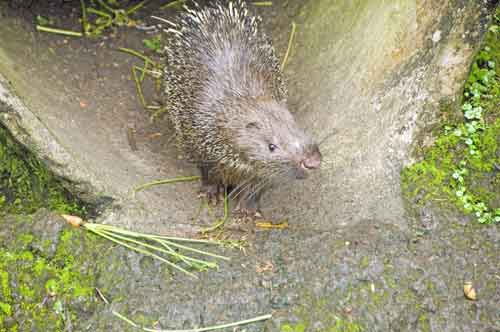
[27, 128]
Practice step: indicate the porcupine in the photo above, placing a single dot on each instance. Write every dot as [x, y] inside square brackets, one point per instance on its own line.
[226, 98]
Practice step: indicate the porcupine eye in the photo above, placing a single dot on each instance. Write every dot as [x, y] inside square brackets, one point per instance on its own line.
[272, 147]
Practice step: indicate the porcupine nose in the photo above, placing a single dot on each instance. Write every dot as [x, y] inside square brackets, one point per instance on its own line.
[312, 161]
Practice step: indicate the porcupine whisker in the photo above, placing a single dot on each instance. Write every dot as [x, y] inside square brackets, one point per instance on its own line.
[261, 184]
[246, 185]
[258, 188]
[241, 188]
[278, 174]
[264, 183]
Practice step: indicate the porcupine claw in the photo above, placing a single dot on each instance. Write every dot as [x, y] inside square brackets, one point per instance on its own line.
[248, 209]
[213, 193]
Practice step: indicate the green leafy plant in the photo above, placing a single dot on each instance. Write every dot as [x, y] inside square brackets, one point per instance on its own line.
[97, 18]
[153, 43]
[462, 167]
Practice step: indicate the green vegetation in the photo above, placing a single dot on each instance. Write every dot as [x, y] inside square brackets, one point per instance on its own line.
[339, 325]
[100, 16]
[26, 185]
[462, 168]
[322, 315]
[174, 249]
[39, 292]
[199, 329]
[106, 14]
[154, 43]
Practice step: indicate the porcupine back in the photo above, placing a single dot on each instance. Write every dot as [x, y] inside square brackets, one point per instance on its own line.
[215, 54]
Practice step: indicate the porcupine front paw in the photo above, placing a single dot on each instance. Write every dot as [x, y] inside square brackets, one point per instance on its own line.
[213, 193]
[211, 189]
[248, 208]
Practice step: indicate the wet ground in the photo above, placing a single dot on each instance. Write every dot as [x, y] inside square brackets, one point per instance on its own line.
[353, 257]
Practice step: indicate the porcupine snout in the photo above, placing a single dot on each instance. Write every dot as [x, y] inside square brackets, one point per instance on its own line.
[312, 160]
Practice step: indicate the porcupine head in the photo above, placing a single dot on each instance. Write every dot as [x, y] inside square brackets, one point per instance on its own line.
[234, 114]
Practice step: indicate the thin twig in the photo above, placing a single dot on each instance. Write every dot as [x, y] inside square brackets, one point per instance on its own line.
[153, 73]
[203, 329]
[149, 246]
[136, 7]
[114, 231]
[100, 13]
[101, 295]
[84, 17]
[142, 251]
[138, 87]
[173, 3]
[290, 43]
[59, 31]
[197, 251]
[224, 218]
[157, 113]
[137, 54]
[105, 6]
[167, 181]
[262, 3]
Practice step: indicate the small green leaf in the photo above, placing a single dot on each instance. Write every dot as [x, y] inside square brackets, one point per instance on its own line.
[42, 20]
[153, 43]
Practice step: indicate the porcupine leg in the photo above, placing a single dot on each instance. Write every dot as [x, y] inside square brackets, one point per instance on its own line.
[249, 205]
[212, 190]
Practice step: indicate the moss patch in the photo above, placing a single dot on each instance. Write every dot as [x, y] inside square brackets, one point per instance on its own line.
[340, 326]
[26, 184]
[319, 314]
[43, 293]
[462, 167]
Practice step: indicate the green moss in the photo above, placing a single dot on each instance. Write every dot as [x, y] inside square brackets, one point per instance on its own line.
[6, 308]
[26, 184]
[423, 323]
[25, 290]
[388, 276]
[344, 326]
[300, 327]
[26, 239]
[27, 280]
[461, 168]
[365, 261]
[320, 314]
[52, 286]
[39, 268]
[340, 325]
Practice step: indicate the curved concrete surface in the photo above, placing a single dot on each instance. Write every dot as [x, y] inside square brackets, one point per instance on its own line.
[361, 74]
